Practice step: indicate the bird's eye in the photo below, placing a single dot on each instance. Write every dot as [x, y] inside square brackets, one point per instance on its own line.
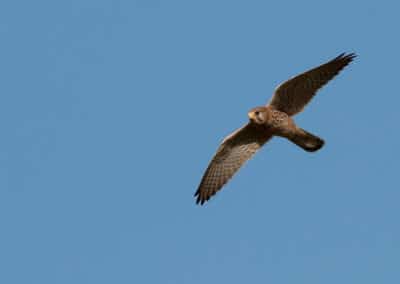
[257, 113]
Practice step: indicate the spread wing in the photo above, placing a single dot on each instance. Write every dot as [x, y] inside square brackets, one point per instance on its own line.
[293, 95]
[233, 152]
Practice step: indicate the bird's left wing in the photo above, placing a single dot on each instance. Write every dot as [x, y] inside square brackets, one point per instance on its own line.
[233, 152]
[293, 95]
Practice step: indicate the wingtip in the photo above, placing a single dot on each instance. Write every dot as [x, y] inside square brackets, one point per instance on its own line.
[199, 200]
[351, 56]
[340, 55]
[346, 56]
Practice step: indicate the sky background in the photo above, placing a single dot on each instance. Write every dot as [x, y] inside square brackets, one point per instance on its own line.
[111, 110]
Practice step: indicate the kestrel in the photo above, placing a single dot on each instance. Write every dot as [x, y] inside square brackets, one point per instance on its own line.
[265, 122]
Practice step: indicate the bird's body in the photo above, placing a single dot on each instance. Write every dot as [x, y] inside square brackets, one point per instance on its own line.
[279, 123]
[274, 119]
[276, 122]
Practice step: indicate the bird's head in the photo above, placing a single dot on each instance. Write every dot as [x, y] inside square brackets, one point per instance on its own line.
[258, 115]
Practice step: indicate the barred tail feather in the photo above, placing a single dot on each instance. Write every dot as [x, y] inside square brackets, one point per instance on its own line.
[307, 141]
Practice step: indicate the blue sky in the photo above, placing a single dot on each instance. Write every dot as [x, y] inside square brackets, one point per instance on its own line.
[111, 110]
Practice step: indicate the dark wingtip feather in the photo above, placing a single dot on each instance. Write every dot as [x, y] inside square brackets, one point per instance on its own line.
[197, 193]
[343, 60]
[199, 199]
[347, 57]
[340, 56]
[352, 55]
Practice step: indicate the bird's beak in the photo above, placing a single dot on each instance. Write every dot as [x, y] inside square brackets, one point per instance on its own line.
[251, 115]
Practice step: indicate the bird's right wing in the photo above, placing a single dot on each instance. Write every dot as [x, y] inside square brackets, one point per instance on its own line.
[293, 95]
[234, 151]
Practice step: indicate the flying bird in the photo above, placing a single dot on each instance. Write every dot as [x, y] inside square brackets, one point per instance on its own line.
[265, 122]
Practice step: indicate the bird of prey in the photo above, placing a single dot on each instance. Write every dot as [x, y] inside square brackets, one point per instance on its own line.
[265, 122]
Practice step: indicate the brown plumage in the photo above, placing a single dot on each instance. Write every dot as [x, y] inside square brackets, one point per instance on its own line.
[267, 121]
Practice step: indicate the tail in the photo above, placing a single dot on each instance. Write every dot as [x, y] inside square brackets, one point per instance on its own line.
[307, 141]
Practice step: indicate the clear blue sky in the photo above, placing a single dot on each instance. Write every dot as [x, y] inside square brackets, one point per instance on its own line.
[111, 110]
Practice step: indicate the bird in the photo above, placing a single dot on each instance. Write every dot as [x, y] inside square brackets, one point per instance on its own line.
[265, 122]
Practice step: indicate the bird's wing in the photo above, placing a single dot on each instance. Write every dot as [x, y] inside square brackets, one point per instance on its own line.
[292, 95]
[233, 152]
